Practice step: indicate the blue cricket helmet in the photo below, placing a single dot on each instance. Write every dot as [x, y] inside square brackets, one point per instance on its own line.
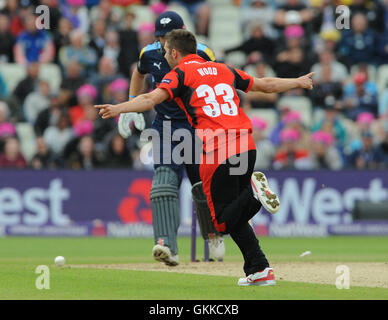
[167, 22]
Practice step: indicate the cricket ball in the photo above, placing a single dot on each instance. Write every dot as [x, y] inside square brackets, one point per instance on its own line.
[59, 261]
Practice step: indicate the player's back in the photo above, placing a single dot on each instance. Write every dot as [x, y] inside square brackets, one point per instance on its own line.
[152, 61]
[212, 100]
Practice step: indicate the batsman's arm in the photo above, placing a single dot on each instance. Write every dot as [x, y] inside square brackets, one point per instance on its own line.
[141, 103]
[137, 83]
[276, 85]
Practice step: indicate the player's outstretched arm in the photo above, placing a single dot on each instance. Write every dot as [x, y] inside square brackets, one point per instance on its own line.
[141, 103]
[276, 85]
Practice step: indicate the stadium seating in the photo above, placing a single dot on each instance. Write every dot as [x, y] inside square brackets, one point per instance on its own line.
[12, 74]
[301, 104]
[251, 70]
[268, 115]
[25, 132]
[225, 29]
[185, 16]
[143, 15]
[236, 59]
[351, 129]
[220, 3]
[52, 74]
[382, 78]
[372, 74]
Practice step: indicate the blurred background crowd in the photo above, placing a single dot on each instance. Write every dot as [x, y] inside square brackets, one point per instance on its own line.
[51, 78]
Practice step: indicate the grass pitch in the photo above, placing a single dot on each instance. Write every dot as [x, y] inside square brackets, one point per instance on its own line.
[19, 258]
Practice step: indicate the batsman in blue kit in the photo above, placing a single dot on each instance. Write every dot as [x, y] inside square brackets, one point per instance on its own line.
[168, 174]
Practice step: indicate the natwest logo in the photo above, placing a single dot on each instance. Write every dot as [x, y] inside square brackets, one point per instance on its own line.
[34, 206]
[307, 201]
[136, 207]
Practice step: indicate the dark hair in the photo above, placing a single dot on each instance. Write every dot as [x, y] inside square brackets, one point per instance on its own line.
[183, 41]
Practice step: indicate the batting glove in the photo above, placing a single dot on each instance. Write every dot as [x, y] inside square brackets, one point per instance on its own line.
[126, 120]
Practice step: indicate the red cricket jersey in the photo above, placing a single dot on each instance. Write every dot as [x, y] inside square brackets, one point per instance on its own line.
[206, 91]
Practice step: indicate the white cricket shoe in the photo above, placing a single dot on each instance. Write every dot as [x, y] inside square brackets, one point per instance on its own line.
[263, 193]
[217, 247]
[163, 254]
[262, 278]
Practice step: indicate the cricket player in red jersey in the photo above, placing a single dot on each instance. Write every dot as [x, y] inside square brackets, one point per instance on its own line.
[206, 91]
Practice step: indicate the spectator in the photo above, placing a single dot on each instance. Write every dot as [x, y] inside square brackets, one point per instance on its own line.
[292, 62]
[119, 89]
[3, 88]
[106, 12]
[7, 129]
[360, 96]
[328, 41]
[107, 72]
[85, 119]
[118, 155]
[259, 10]
[85, 95]
[86, 58]
[257, 42]
[33, 45]
[44, 158]
[324, 155]
[293, 37]
[293, 120]
[332, 124]
[384, 144]
[129, 53]
[146, 34]
[85, 157]
[7, 40]
[382, 45]
[325, 16]
[359, 43]
[73, 79]
[384, 14]
[12, 11]
[97, 40]
[275, 133]
[290, 155]
[200, 12]
[372, 10]
[112, 46]
[36, 101]
[58, 135]
[383, 103]
[365, 122]
[293, 12]
[49, 116]
[89, 123]
[12, 157]
[77, 13]
[338, 71]
[28, 84]
[79, 51]
[325, 88]
[368, 156]
[267, 150]
[62, 36]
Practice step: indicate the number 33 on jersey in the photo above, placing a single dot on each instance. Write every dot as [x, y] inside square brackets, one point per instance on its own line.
[206, 91]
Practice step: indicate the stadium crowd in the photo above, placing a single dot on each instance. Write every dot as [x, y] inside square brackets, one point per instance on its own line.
[96, 45]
